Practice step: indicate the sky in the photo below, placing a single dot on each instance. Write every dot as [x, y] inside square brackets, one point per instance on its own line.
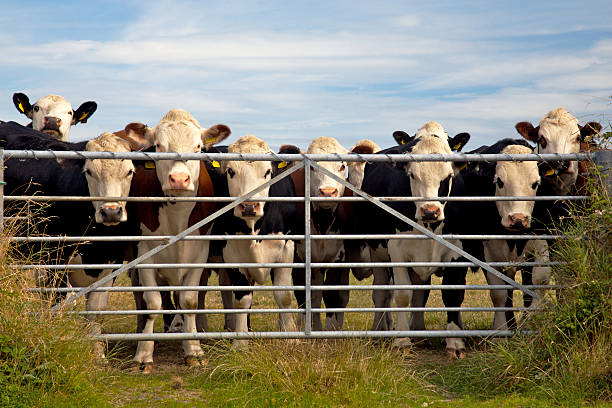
[289, 72]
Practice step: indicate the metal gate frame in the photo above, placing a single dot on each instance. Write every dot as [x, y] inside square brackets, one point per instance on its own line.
[308, 162]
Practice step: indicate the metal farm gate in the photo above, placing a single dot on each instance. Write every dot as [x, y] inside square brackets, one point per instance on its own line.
[309, 163]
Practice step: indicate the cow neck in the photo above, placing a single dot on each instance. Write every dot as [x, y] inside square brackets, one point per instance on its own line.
[202, 210]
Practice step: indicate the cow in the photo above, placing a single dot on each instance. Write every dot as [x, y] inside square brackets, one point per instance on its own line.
[557, 132]
[75, 177]
[178, 131]
[327, 217]
[258, 218]
[53, 114]
[429, 179]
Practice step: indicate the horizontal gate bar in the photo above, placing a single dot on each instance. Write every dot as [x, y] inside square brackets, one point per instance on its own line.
[292, 287]
[279, 265]
[285, 199]
[302, 311]
[274, 237]
[312, 335]
[349, 157]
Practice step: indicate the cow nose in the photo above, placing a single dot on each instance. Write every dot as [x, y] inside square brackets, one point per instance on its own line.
[111, 213]
[51, 122]
[179, 181]
[249, 209]
[328, 192]
[518, 221]
[430, 212]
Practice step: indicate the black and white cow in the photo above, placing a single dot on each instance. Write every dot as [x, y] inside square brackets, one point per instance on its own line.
[53, 114]
[492, 179]
[258, 217]
[327, 217]
[71, 177]
[418, 179]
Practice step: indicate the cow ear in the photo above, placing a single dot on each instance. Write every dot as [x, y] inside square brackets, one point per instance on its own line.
[138, 135]
[456, 143]
[527, 130]
[22, 103]
[589, 130]
[84, 112]
[402, 137]
[215, 134]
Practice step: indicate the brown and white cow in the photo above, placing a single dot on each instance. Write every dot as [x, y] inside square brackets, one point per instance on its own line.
[177, 132]
[53, 114]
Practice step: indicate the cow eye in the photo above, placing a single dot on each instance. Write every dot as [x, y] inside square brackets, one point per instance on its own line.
[88, 172]
[267, 173]
[36, 108]
[543, 142]
[499, 183]
[342, 168]
[231, 172]
[130, 173]
[535, 185]
[71, 113]
[412, 176]
[198, 149]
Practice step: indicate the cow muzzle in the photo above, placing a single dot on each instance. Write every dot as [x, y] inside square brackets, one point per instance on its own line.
[518, 222]
[111, 214]
[51, 126]
[250, 209]
[431, 213]
[179, 181]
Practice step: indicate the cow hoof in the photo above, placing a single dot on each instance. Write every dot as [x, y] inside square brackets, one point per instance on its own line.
[146, 368]
[192, 361]
[456, 354]
[402, 343]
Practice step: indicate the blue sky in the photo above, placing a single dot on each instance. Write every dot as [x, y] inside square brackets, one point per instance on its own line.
[292, 71]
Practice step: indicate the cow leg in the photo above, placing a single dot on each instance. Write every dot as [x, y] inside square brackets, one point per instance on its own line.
[419, 299]
[317, 297]
[242, 300]
[500, 299]
[455, 347]
[188, 299]
[403, 298]
[298, 276]
[540, 275]
[138, 300]
[282, 277]
[152, 301]
[201, 319]
[97, 301]
[336, 298]
[228, 300]
[382, 298]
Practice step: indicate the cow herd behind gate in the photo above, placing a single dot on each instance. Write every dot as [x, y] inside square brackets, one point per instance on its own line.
[178, 131]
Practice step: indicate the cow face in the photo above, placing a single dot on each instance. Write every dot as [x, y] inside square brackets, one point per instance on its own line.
[53, 114]
[430, 179]
[109, 178]
[558, 132]
[177, 132]
[320, 184]
[516, 179]
[244, 176]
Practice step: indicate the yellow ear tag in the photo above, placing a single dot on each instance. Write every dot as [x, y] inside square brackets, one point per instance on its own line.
[21, 108]
[402, 141]
[149, 165]
[211, 140]
[83, 116]
[216, 163]
[457, 147]
[463, 166]
[282, 165]
[549, 172]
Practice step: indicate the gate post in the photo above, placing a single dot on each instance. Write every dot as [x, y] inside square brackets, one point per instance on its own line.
[307, 247]
[2, 183]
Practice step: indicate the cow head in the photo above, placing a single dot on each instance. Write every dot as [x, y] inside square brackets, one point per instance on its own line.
[558, 132]
[516, 179]
[320, 184]
[53, 114]
[356, 169]
[177, 132]
[431, 179]
[244, 176]
[109, 178]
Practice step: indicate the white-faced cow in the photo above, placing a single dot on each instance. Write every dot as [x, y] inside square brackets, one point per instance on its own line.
[76, 177]
[328, 217]
[53, 114]
[418, 179]
[177, 132]
[257, 217]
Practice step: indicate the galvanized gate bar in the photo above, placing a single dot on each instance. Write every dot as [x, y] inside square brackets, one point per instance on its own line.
[307, 249]
[425, 231]
[2, 183]
[176, 238]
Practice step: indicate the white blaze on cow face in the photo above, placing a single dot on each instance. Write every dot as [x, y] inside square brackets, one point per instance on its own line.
[52, 115]
[430, 179]
[320, 184]
[516, 179]
[109, 178]
[244, 176]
